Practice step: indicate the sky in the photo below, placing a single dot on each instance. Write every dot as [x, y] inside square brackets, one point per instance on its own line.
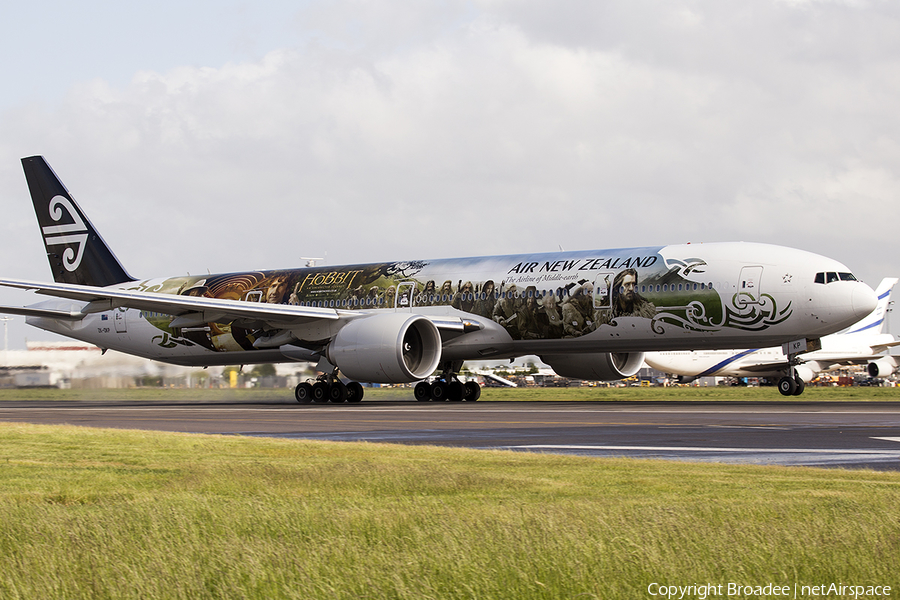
[224, 136]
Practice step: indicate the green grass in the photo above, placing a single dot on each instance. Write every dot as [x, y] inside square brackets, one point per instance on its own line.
[89, 513]
[602, 394]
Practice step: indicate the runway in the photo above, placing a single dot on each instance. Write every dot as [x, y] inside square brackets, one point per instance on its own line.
[829, 434]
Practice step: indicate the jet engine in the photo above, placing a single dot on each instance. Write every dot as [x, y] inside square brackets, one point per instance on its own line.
[605, 366]
[882, 367]
[387, 348]
[807, 372]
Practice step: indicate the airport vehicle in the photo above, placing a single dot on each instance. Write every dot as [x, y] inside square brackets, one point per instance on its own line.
[863, 343]
[588, 314]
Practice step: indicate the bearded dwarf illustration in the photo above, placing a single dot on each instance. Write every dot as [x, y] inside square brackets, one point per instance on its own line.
[590, 314]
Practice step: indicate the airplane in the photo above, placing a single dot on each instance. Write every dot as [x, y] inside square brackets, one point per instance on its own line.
[588, 314]
[862, 343]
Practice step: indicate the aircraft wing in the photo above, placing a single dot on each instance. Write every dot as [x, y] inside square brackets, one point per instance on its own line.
[191, 310]
[188, 310]
[101, 299]
[881, 348]
[763, 367]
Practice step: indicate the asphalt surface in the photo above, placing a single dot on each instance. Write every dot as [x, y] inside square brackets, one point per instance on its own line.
[827, 434]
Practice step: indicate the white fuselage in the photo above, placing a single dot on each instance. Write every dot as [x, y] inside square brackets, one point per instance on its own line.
[863, 342]
[685, 297]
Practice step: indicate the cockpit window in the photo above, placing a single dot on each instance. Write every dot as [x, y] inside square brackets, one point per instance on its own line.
[832, 277]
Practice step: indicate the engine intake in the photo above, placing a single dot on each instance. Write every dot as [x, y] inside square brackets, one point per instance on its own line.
[604, 366]
[882, 367]
[387, 348]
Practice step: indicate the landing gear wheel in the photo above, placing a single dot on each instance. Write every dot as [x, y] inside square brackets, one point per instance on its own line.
[473, 391]
[801, 385]
[303, 393]
[422, 391]
[787, 386]
[455, 391]
[320, 392]
[337, 392]
[354, 392]
[439, 391]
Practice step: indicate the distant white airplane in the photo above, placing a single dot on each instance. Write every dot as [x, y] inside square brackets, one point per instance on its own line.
[862, 343]
[589, 314]
[495, 379]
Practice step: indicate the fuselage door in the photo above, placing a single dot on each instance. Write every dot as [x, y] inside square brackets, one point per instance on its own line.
[603, 289]
[748, 285]
[406, 293]
[119, 318]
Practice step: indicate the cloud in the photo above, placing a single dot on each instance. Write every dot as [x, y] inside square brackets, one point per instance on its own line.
[396, 131]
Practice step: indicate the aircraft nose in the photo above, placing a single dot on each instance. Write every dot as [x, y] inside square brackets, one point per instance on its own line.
[863, 300]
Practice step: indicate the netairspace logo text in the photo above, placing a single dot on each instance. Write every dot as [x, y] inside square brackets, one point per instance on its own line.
[702, 591]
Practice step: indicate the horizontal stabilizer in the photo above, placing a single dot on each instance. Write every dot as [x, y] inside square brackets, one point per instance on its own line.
[25, 311]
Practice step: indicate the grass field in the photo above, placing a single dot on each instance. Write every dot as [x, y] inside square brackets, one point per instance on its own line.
[597, 394]
[88, 513]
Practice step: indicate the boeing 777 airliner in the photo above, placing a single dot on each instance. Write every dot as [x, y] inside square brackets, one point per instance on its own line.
[589, 314]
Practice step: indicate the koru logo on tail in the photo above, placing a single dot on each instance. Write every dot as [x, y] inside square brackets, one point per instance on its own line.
[74, 233]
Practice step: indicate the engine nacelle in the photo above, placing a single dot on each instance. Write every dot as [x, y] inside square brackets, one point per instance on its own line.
[807, 372]
[882, 367]
[387, 348]
[605, 366]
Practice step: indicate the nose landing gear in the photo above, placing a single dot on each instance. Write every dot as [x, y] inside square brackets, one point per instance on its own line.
[792, 384]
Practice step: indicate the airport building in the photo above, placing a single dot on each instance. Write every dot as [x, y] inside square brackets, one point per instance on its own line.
[79, 365]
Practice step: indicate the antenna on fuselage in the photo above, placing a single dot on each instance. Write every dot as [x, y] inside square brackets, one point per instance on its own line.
[310, 261]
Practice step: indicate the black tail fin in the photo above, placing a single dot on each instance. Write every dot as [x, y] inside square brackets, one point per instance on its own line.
[76, 251]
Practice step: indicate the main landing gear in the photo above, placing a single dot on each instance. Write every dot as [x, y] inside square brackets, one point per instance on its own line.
[448, 387]
[328, 388]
